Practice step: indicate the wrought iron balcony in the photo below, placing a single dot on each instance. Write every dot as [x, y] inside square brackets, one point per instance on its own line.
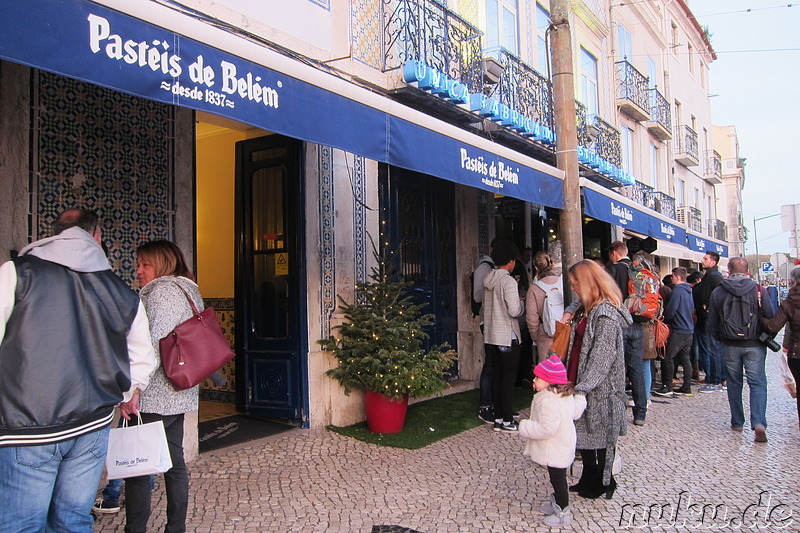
[606, 144]
[649, 197]
[713, 167]
[660, 124]
[425, 30]
[664, 204]
[686, 149]
[691, 217]
[639, 192]
[632, 91]
[717, 229]
[522, 88]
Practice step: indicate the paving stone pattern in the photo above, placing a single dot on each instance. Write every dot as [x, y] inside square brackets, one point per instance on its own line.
[686, 456]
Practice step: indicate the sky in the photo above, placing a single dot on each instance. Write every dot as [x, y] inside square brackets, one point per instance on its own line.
[757, 79]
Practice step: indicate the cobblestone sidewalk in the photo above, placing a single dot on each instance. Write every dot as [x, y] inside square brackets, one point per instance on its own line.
[686, 457]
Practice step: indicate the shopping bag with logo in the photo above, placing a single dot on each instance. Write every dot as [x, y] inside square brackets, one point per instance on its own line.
[138, 450]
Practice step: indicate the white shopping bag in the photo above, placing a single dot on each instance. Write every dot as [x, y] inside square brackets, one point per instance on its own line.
[137, 450]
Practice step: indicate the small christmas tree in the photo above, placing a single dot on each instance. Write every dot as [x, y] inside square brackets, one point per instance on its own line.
[379, 347]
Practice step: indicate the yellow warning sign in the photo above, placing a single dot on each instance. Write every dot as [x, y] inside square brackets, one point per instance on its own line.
[281, 264]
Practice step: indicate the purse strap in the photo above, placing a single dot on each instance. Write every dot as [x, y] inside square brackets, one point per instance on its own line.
[195, 312]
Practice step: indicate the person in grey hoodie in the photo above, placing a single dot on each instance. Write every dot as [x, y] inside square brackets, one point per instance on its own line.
[678, 314]
[502, 306]
[746, 355]
[74, 342]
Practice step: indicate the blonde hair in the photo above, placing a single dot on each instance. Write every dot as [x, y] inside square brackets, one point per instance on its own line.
[542, 263]
[166, 258]
[596, 284]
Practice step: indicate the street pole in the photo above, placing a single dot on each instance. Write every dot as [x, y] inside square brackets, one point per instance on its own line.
[755, 236]
[566, 132]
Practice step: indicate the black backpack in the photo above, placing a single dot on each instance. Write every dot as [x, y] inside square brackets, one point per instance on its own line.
[476, 306]
[738, 320]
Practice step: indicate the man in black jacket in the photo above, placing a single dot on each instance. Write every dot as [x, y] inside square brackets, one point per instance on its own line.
[633, 335]
[742, 349]
[74, 342]
[711, 359]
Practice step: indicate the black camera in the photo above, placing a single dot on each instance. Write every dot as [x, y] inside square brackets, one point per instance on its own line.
[769, 342]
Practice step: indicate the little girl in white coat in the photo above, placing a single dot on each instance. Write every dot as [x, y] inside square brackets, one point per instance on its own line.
[550, 434]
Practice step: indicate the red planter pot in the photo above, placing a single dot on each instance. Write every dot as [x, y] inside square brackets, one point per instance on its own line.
[385, 415]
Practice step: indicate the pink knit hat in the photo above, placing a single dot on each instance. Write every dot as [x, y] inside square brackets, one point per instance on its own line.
[552, 371]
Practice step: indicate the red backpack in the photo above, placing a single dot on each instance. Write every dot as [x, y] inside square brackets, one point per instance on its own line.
[643, 298]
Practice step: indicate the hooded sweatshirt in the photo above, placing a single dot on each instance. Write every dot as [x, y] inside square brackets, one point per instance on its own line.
[502, 306]
[739, 285]
[74, 340]
[680, 307]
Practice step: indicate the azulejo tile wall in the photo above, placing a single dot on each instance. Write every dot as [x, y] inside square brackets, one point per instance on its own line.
[103, 150]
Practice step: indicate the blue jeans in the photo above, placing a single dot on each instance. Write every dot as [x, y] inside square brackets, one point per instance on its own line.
[648, 376]
[711, 355]
[753, 360]
[51, 487]
[633, 337]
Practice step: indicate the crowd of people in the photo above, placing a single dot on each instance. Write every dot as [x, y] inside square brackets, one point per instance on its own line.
[718, 332]
[83, 343]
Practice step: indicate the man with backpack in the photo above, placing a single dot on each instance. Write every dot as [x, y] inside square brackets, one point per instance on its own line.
[709, 347]
[633, 335]
[733, 319]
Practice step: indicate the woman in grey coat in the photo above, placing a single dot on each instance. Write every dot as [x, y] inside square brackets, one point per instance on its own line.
[164, 280]
[596, 364]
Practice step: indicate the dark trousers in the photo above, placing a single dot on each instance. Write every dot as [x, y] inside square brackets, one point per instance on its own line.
[633, 337]
[486, 377]
[679, 347]
[504, 373]
[558, 479]
[138, 490]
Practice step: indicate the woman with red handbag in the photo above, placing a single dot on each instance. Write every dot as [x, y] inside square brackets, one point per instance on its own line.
[164, 282]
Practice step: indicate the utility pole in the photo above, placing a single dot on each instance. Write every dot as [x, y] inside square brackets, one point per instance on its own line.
[566, 132]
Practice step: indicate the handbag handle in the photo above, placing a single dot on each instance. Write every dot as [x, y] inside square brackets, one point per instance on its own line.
[195, 312]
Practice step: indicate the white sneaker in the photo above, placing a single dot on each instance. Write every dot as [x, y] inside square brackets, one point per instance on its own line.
[561, 517]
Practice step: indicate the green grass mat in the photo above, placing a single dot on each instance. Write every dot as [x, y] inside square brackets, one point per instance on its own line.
[432, 420]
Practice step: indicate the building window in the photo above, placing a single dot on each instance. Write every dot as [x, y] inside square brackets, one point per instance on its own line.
[652, 73]
[624, 44]
[542, 23]
[589, 95]
[501, 25]
[697, 201]
[680, 191]
[675, 44]
[691, 57]
[654, 166]
[626, 135]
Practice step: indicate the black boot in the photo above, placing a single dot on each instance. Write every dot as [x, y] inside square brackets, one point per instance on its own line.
[589, 460]
[597, 488]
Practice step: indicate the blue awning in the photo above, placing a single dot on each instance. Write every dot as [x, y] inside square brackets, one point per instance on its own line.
[613, 208]
[96, 44]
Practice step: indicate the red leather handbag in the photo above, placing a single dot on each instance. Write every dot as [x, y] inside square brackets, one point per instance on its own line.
[195, 349]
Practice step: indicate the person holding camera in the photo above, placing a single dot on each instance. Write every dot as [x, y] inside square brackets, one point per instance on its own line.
[789, 314]
[733, 319]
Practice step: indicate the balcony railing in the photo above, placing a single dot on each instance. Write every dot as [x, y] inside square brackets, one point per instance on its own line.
[691, 217]
[607, 142]
[522, 88]
[632, 95]
[425, 30]
[649, 197]
[713, 166]
[660, 125]
[717, 229]
[664, 204]
[687, 149]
